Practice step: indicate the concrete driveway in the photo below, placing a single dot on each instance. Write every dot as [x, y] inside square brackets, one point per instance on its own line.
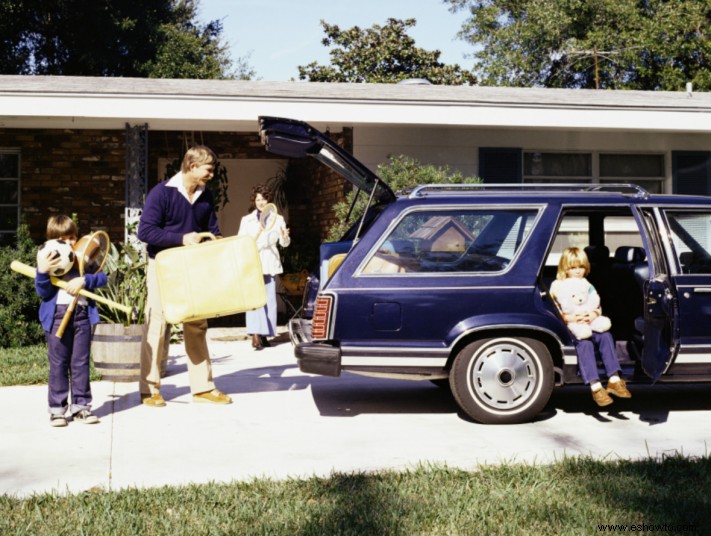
[287, 424]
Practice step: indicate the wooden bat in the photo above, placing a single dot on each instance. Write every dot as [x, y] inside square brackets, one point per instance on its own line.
[29, 271]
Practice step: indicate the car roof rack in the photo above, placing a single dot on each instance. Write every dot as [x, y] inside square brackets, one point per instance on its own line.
[470, 189]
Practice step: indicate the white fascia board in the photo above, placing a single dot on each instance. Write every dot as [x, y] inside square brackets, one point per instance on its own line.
[231, 114]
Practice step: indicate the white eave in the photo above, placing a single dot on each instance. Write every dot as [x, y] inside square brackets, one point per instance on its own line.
[229, 105]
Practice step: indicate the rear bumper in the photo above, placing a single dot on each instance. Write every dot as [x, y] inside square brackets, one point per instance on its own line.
[313, 357]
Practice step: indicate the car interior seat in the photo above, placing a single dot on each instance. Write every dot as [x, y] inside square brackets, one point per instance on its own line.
[628, 272]
[599, 276]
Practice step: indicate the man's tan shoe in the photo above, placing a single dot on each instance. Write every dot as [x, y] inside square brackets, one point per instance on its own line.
[212, 397]
[619, 389]
[601, 398]
[154, 401]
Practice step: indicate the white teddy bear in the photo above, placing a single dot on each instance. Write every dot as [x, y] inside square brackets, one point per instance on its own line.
[577, 295]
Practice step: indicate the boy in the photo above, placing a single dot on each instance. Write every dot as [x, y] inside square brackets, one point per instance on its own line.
[68, 356]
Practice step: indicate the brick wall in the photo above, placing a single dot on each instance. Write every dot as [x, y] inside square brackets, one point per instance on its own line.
[83, 172]
[68, 171]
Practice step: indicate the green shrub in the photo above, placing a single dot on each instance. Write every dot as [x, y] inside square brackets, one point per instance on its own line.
[125, 269]
[400, 173]
[19, 303]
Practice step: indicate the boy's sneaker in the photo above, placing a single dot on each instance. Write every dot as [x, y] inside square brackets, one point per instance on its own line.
[85, 416]
[57, 421]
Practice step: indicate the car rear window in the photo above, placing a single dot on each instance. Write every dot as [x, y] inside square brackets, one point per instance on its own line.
[453, 241]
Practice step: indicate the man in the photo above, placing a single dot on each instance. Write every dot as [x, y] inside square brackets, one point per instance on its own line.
[174, 213]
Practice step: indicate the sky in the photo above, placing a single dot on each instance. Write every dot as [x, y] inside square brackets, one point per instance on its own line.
[279, 35]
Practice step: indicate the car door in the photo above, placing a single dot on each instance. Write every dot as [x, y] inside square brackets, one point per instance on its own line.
[660, 304]
[689, 231]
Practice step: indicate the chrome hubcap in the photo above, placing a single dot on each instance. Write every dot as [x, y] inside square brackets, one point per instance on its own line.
[503, 375]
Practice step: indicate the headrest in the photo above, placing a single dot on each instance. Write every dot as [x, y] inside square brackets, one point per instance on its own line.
[597, 253]
[629, 254]
[403, 247]
[686, 258]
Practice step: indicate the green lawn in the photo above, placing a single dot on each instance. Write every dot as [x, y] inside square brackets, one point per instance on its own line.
[574, 496]
[27, 366]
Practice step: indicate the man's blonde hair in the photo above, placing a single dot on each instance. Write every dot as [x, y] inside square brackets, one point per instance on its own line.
[198, 155]
[572, 258]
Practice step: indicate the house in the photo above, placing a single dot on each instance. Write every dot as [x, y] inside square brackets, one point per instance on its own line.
[94, 146]
[443, 233]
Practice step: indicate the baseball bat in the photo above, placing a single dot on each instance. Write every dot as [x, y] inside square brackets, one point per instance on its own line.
[29, 271]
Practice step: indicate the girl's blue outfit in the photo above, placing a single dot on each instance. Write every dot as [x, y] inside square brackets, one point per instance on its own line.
[602, 345]
[68, 356]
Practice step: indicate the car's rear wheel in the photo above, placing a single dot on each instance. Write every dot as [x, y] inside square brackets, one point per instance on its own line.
[502, 380]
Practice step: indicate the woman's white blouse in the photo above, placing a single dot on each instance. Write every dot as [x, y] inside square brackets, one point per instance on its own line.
[266, 241]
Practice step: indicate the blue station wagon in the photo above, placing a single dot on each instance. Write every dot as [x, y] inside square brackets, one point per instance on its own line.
[449, 283]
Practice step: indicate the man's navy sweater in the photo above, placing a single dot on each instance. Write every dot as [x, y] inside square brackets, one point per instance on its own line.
[167, 216]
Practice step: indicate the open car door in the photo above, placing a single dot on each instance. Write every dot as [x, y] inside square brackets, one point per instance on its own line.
[659, 304]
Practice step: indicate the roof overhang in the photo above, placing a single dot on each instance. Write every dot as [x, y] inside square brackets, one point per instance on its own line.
[229, 105]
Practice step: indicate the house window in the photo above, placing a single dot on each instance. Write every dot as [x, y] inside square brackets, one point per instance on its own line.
[554, 167]
[645, 170]
[9, 195]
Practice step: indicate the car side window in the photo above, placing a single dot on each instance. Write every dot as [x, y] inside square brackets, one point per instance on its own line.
[691, 237]
[452, 241]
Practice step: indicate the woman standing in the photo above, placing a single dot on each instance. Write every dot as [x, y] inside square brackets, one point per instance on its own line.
[261, 323]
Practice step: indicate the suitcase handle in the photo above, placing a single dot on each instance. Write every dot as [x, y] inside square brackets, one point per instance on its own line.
[209, 235]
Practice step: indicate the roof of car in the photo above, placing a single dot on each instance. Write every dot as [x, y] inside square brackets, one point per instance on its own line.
[579, 193]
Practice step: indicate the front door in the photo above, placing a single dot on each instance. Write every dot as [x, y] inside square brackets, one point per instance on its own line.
[690, 234]
[659, 302]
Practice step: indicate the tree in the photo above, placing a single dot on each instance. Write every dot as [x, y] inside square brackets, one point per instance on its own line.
[150, 38]
[613, 44]
[400, 173]
[381, 54]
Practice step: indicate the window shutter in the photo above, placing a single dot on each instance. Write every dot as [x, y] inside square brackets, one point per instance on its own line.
[691, 172]
[500, 164]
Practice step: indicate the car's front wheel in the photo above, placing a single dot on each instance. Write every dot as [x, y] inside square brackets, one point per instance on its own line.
[502, 380]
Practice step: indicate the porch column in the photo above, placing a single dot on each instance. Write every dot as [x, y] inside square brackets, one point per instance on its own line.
[136, 180]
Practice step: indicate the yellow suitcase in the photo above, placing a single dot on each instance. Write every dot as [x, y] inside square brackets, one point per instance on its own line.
[211, 279]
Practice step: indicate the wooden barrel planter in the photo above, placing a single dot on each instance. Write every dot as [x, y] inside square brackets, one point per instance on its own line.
[116, 351]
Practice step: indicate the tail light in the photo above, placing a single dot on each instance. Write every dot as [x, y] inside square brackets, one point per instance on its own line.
[322, 314]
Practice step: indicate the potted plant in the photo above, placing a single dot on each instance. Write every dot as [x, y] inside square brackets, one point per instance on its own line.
[116, 343]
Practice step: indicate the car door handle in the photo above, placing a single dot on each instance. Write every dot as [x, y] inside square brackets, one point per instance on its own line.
[702, 290]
